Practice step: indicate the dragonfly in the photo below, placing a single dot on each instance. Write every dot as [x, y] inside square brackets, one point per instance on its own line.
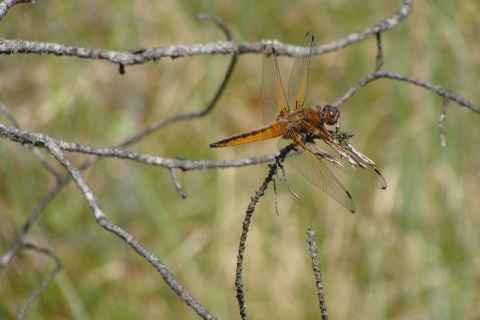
[316, 146]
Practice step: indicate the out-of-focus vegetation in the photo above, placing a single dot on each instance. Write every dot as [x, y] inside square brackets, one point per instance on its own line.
[410, 252]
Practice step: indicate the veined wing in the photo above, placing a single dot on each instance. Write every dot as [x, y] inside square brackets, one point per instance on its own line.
[273, 96]
[315, 171]
[298, 83]
[349, 161]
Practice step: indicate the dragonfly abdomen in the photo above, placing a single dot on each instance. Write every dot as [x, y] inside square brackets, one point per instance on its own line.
[271, 131]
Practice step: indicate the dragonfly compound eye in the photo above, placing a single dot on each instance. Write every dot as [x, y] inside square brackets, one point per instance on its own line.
[331, 114]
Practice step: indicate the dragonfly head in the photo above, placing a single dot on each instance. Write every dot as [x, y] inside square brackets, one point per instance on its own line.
[331, 114]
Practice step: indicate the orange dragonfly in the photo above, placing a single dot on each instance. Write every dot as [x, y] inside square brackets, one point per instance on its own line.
[316, 151]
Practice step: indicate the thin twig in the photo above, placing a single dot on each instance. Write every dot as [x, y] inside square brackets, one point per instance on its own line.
[379, 58]
[19, 242]
[317, 272]
[101, 219]
[219, 22]
[441, 122]
[49, 278]
[275, 196]
[37, 140]
[245, 227]
[176, 183]
[6, 5]
[35, 151]
[395, 76]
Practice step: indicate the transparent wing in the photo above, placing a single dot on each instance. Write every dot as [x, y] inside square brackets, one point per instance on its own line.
[298, 83]
[273, 96]
[315, 171]
[349, 162]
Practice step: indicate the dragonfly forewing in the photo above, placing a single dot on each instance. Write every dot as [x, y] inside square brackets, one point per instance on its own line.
[298, 83]
[273, 96]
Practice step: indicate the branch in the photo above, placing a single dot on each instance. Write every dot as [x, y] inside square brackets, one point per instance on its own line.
[39, 140]
[246, 225]
[176, 183]
[101, 219]
[140, 56]
[45, 282]
[37, 154]
[20, 241]
[395, 76]
[317, 272]
[377, 74]
[6, 5]
[44, 141]
[441, 122]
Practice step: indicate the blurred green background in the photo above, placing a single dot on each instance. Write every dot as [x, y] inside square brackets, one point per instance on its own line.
[410, 252]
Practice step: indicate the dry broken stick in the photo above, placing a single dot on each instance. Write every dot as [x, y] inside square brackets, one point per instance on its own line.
[317, 272]
[101, 219]
[132, 57]
[245, 228]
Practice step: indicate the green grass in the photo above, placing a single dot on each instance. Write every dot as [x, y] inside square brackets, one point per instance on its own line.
[410, 252]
